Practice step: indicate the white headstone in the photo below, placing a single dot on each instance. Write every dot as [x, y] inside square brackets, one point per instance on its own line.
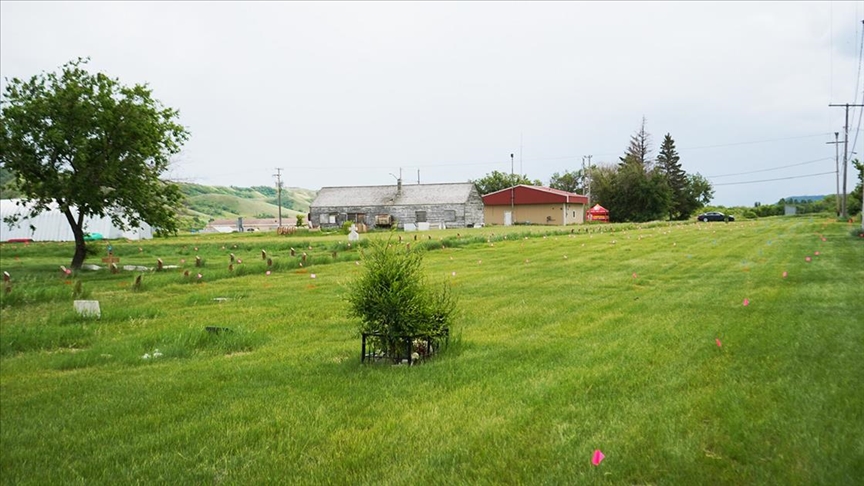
[353, 235]
[409, 227]
[88, 308]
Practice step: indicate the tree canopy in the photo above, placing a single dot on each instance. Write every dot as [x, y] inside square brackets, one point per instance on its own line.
[495, 181]
[570, 181]
[93, 147]
[638, 190]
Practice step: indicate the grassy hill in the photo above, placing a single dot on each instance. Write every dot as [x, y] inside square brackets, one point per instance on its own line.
[686, 353]
[204, 203]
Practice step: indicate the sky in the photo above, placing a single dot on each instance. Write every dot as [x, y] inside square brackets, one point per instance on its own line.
[342, 94]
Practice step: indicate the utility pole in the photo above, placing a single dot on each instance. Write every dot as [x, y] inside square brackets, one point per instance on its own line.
[418, 176]
[587, 175]
[843, 214]
[278, 176]
[836, 144]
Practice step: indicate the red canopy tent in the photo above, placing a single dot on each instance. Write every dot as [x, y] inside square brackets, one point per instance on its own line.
[598, 213]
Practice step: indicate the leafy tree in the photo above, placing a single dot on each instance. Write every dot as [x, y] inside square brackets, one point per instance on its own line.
[854, 198]
[93, 147]
[495, 181]
[568, 181]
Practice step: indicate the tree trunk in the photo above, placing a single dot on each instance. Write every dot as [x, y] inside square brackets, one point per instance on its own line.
[78, 231]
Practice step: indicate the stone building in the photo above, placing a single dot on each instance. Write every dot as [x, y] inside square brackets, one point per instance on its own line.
[453, 205]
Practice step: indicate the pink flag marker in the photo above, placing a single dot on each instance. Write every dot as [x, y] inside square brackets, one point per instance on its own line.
[719, 344]
[746, 302]
[816, 253]
[268, 272]
[313, 276]
[785, 274]
[597, 457]
[634, 275]
[807, 259]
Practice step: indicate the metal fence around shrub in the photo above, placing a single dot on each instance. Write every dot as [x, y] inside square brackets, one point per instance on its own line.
[377, 347]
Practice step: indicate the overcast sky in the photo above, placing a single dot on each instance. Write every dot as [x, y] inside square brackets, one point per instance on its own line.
[348, 93]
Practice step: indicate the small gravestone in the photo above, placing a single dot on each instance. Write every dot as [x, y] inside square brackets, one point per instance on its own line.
[293, 252]
[304, 257]
[353, 235]
[230, 267]
[88, 308]
[232, 258]
[137, 284]
[7, 277]
[269, 262]
[114, 268]
[198, 262]
[263, 255]
[186, 274]
[159, 265]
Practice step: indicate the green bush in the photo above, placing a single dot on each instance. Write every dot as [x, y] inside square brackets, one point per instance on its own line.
[392, 298]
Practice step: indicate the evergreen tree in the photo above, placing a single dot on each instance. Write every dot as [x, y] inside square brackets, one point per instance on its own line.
[639, 149]
[669, 166]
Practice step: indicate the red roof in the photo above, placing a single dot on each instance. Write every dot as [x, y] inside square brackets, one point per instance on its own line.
[523, 194]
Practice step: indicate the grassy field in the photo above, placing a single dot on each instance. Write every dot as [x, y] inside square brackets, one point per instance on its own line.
[688, 354]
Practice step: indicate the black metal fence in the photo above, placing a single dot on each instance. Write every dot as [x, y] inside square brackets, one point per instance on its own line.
[409, 350]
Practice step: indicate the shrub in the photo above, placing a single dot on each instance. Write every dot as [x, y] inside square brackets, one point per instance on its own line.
[300, 220]
[392, 298]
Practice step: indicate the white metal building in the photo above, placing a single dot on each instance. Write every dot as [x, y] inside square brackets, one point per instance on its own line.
[51, 225]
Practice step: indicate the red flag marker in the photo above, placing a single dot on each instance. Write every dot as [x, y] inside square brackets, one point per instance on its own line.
[719, 344]
[597, 457]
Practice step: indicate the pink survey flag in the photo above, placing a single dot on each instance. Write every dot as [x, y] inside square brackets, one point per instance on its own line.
[807, 259]
[597, 457]
[746, 302]
[816, 253]
[634, 275]
[268, 272]
[719, 344]
[313, 275]
[785, 274]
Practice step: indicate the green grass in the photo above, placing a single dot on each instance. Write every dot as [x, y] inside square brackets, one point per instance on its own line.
[552, 358]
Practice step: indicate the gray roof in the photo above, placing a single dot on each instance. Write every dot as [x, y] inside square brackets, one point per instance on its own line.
[412, 194]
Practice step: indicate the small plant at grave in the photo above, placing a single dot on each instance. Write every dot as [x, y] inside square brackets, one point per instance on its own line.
[394, 301]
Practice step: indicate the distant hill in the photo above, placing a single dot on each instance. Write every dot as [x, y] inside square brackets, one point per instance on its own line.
[204, 203]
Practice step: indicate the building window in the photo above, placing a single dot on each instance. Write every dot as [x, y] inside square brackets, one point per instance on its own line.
[323, 218]
[332, 218]
[449, 215]
[420, 216]
[357, 217]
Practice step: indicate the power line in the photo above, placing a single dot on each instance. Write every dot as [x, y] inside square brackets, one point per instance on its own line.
[754, 142]
[772, 180]
[768, 170]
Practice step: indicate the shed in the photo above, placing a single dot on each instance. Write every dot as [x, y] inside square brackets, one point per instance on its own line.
[534, 205]
[51, 225]
[452, 205]
[598, 213]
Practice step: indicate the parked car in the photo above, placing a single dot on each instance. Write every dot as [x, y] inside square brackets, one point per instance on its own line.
[714, 216]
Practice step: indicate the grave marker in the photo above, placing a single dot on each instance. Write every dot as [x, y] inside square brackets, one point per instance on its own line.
[88, 308]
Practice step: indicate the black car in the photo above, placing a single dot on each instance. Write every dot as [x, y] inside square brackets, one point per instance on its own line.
[714, 216]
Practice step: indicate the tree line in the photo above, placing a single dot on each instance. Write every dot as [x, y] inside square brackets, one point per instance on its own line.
[637, 188]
